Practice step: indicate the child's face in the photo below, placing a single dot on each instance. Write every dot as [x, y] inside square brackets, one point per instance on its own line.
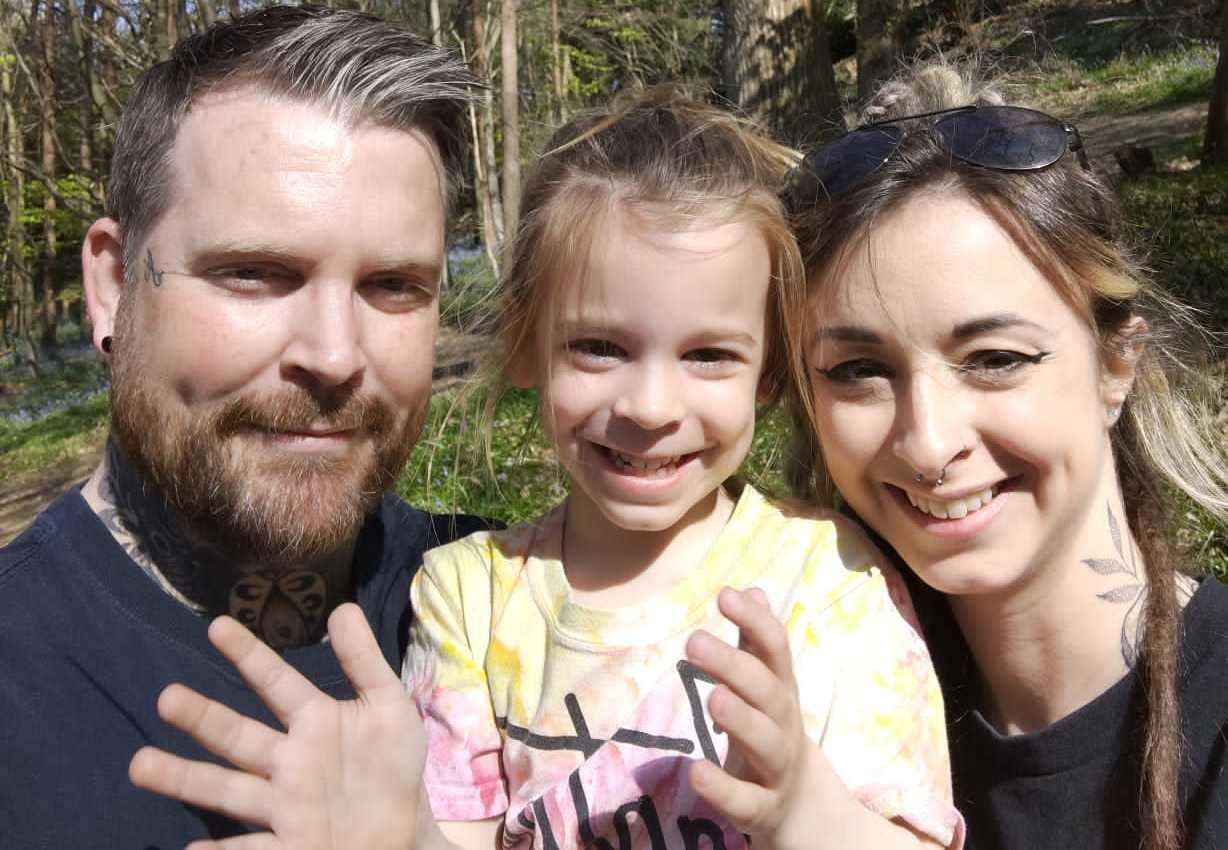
[649, 385]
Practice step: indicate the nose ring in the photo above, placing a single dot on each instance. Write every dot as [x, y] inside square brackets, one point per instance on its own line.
[942, 476]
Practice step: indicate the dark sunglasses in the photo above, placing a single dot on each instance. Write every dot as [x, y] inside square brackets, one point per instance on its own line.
[1003, 138]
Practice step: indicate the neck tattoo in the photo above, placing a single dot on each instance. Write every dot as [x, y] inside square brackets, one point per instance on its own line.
[285, 605]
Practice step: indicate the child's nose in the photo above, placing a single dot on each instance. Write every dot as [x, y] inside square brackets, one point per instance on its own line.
[650, 398]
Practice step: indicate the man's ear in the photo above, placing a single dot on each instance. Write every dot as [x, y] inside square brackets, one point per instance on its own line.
[1120, 364]
[102, 276]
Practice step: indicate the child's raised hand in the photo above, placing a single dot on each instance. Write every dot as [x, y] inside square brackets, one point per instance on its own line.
[775, 778]
[344, 774]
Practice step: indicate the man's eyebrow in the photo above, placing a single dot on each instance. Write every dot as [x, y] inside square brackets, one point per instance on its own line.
[848, 333]
[989, 324]
[239, 252]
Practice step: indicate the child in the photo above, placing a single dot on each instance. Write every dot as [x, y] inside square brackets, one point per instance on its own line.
[593, 678]
[646, 299]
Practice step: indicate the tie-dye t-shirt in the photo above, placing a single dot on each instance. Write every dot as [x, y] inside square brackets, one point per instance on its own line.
[576, 725]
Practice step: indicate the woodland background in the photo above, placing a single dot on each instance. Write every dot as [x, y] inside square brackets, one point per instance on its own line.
[1145, 80]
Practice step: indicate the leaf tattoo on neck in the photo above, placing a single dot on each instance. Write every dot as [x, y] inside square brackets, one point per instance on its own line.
[1131, 593]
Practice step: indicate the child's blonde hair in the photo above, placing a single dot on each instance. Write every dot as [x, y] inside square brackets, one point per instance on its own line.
[668, 159]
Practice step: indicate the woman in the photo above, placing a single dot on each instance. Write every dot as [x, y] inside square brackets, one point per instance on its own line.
[995, 391]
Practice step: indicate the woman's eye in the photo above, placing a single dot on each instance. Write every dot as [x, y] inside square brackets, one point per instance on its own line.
[601, 349]
[999, 363]
[854, 371]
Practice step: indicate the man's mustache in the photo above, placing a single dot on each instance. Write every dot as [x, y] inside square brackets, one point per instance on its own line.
[300, 411]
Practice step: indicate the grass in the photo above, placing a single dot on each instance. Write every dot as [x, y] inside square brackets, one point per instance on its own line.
[44, 443]
[1184, 218]
[1128, 83]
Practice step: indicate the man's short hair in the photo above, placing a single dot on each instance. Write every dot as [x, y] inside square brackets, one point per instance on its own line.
[361, 68]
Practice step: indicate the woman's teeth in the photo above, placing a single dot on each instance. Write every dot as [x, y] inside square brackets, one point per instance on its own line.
[954, 509]
[654, 467]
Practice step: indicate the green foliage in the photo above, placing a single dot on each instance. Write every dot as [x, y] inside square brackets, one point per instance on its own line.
[1184, 216]
[469, 294]
[1129, 82]
[23, 396]
[46, 442]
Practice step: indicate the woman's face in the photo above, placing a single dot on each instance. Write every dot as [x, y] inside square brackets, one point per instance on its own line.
[940, 346]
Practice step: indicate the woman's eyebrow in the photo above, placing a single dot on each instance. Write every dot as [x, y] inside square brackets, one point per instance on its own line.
[848, 333]
[989, 324]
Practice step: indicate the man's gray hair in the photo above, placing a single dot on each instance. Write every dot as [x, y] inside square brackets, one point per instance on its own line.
[361, 68]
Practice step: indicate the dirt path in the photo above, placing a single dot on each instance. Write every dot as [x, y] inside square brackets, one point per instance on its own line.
[22, 499]
[1104, 134]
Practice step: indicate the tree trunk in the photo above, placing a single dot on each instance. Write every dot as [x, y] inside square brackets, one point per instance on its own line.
[776, 66]
[20, 321]
[48, 277]
[436, 25]
[233, 7]
[556, 65]
[511, 119]
[878, 42]
[1215, 145]
[207, 13]
[486, 185]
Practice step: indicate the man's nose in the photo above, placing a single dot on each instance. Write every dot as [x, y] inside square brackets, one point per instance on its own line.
[325, 348]
[650, 397]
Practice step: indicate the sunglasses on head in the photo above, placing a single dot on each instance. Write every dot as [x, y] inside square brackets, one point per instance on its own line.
[1002, 138]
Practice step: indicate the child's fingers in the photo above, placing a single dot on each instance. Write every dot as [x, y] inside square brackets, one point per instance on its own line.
[753, 736]
[360, 655]
[744, 674]
[282, 688]
[759, 632]
[749, 807]
[247, 744]
[232, 793]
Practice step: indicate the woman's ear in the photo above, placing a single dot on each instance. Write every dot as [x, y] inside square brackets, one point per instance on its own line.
[102, 277]
[1120, 364]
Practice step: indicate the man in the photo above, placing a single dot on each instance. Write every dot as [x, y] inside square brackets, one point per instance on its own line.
[266, 292]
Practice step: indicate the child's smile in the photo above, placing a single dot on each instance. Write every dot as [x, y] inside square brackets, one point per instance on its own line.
[648, 376]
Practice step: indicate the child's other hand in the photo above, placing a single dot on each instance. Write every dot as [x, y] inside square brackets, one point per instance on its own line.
[775, 780]
[345, 774]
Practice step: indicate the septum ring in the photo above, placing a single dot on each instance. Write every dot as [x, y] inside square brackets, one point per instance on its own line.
[942, 476]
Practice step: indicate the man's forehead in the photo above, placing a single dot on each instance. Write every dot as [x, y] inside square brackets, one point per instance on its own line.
[248, 120]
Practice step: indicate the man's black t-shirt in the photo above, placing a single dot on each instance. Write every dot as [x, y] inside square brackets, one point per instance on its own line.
[87, 642]
[1074, 785]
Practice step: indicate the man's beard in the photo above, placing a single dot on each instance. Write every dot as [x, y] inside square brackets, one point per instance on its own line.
[252, 500]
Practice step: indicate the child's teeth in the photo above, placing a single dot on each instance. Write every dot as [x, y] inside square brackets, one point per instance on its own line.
[953, 509]
[658, 465]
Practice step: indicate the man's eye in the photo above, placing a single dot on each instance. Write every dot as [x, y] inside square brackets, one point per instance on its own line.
[400, 291]
[601, 349]
[854, 371]
[249, 278]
